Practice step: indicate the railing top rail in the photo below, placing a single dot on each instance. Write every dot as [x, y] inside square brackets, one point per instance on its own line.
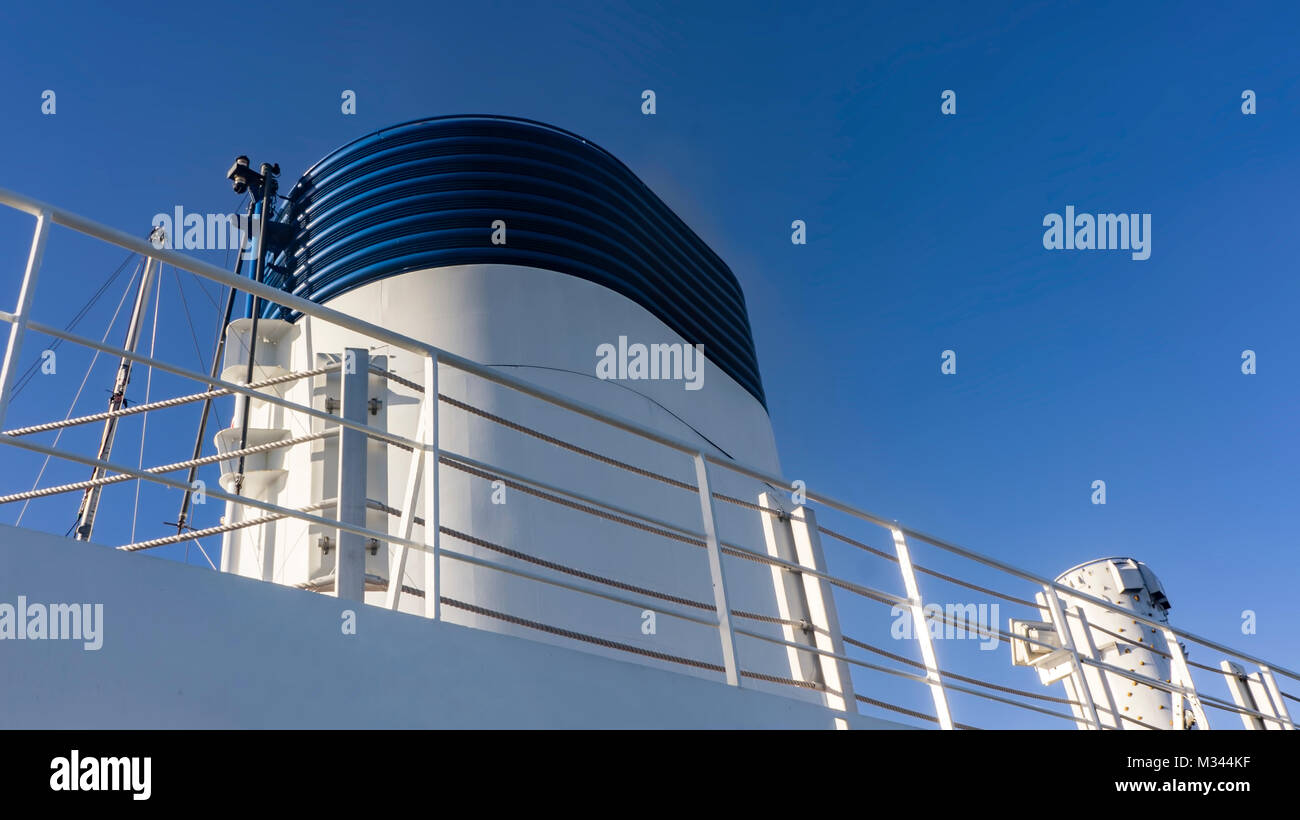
[1010, 569]
[182, 261]
[142, 246]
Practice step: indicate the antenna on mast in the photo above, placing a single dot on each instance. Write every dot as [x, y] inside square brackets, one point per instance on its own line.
[263, 185]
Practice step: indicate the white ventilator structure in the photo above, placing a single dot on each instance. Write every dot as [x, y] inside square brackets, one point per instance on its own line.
[1148, 662]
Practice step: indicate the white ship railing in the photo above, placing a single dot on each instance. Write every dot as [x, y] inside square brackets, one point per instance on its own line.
[822, 636]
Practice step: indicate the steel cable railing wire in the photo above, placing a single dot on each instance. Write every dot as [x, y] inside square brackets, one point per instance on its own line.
[600, 579]
[747, 554]
[581, 636]
[577, 573]
[585, 637]
[730, 550]
[452, 462]
[950, 674]
[589, 576]
[566, 445]
[934, 573]
[520, 428]
[976, 681]
[909, 712]
[1140, 644]
[624, 647]
[726, 548]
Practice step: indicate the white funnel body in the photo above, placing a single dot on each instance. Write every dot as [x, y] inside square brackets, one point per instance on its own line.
[544, 327]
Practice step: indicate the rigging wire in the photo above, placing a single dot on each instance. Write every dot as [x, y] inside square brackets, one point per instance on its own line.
[30, 372]
[203, 287]
[77, 397]
[189, 318]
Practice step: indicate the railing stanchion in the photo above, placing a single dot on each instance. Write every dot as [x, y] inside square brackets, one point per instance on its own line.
[432, 519]
[922, 630]
[1275, 695]
[350, 559]
[19, 327]
[397, 553]
[725, 632]
[820, 599]
[1062, 628]
[1090, 650]
[1183, 677]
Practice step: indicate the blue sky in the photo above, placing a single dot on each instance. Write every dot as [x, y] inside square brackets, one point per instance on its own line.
[924, 232]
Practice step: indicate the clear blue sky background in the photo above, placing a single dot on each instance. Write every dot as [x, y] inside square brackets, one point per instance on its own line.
[924, 234]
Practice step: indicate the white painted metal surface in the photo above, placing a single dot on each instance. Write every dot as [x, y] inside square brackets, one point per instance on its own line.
[921, 629]
[22, 314]
[1127, 668]
[233, 652]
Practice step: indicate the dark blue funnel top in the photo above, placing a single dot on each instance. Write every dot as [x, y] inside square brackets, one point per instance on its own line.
[424, 194]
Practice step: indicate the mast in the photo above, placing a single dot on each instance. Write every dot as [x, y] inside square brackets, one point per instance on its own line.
[90, 498]
[182, 519]
[264, 186]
